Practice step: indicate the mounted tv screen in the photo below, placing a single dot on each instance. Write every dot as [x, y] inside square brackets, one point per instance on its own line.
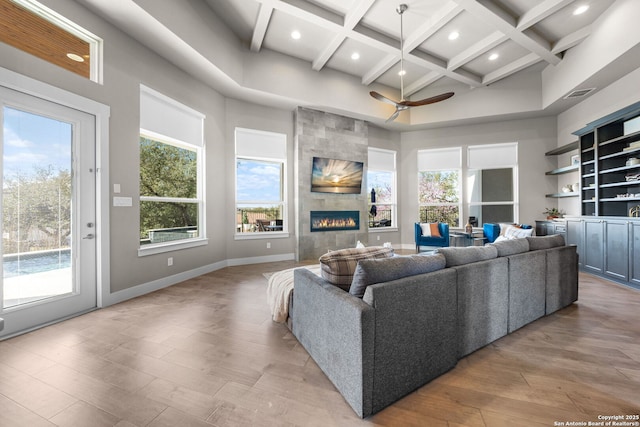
[336, 176]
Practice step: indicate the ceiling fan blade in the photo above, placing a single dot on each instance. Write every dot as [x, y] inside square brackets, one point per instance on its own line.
[393, 116]
[383, 98]
[426, 101]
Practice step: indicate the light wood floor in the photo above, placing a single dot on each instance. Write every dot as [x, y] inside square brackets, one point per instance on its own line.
[205, 352]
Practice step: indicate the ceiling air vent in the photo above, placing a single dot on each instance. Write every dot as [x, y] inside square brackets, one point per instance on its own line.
[579, 93]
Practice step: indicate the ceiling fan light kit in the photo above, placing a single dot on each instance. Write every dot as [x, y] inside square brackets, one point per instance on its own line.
[404, 104]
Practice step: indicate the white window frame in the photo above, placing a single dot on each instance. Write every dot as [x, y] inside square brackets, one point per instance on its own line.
[252, 144]
[494, 156]
[163, 119]
[439, 160]
[387, 163]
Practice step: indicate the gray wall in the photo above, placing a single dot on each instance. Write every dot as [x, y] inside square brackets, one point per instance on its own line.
[127, 65]
[534, 137]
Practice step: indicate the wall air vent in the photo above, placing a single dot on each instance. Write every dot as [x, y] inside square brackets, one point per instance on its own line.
[579, 93]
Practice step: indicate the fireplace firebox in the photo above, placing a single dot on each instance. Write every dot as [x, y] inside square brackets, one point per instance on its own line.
[335, 220]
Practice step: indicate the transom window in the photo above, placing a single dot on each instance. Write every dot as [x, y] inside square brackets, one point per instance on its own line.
[35, 29]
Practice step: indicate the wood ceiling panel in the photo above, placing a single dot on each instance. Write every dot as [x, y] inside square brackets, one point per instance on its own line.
[35, 35]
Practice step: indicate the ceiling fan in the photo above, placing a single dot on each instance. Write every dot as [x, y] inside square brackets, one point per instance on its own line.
[404, 104]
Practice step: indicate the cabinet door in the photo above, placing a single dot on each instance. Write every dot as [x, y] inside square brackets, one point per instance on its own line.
[594, 245]
[616, 255]
[574, 236]
[634, 255]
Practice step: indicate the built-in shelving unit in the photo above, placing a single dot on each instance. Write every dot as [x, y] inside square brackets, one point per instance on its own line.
[609, 151]
[572, 146]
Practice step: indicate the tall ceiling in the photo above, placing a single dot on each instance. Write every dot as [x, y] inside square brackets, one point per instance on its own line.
[245, 49]
[521, 32]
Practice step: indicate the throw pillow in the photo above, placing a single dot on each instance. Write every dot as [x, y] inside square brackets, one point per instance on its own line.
[430, 229]
[515, 232]
[337, 267]
[460, 256]
[372, 271]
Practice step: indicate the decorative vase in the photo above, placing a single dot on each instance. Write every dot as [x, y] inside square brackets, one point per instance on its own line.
[468, 228]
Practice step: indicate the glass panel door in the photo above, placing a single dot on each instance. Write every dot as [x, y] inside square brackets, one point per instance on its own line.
[48, 211]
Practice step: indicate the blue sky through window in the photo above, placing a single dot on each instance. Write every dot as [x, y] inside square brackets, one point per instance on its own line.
[258, 181]
[32, 141]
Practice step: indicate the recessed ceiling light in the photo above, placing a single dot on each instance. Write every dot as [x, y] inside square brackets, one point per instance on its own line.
[296, 35]
[355, 56]
[581, 9]
[454, 35]
[74, 57]
[402, 72]
[493, 57]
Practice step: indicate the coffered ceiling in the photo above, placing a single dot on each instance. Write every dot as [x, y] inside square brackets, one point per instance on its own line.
[511, 58]
[520, 32]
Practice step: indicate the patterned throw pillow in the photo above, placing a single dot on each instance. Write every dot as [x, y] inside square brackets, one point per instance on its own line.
[430, 229]
[337, 267]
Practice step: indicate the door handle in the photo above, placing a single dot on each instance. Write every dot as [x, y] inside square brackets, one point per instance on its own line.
[89, 236]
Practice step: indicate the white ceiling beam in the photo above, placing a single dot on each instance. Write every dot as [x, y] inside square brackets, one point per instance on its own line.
[442, 17]
[541, 11]
[332, 22]
[380, 68]
[571, 40]
[477, 49]
[502, 21]
[351, 19]
[421, 83]
[328, 51]
[512, 68]
[260, 30]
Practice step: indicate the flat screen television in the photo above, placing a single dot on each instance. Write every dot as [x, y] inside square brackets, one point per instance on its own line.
[336, 176]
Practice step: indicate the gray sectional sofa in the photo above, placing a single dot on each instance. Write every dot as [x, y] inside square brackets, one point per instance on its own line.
[420, 314]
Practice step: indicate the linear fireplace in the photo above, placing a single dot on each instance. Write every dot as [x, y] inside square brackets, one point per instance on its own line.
[335, 220]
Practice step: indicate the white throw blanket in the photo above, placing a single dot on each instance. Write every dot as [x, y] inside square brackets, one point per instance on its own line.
[279, 290]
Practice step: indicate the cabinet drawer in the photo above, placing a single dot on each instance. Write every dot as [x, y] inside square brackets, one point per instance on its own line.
[560, 229]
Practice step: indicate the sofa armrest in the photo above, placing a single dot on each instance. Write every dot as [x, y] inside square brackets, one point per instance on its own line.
[337, 330]
[415, 333]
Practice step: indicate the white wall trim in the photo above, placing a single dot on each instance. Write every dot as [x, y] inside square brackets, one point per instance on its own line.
[165, 282]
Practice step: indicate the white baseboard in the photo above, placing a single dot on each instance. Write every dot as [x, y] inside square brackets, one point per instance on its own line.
[165, 282]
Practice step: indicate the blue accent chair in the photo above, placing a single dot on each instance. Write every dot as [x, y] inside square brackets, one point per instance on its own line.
[440, 242]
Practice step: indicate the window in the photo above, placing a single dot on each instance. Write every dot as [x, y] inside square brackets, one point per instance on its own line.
[261, 206]
[35, 29]
[381, 182]
[171, 174]
[439, 185]
[491, 183]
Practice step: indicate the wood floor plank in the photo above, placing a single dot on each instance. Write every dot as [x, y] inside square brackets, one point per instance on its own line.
[205, 353]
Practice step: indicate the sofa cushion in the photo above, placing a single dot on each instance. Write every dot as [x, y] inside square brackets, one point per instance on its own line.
[372, 271]
[460, 256]
[337, 267]
[511, 247]
[545, 242]
[430, 229]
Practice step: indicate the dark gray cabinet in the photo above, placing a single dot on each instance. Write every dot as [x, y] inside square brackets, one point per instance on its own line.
[607, 246]
[593, 250]
[574, 236]
[634, 253]
[616, 248]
